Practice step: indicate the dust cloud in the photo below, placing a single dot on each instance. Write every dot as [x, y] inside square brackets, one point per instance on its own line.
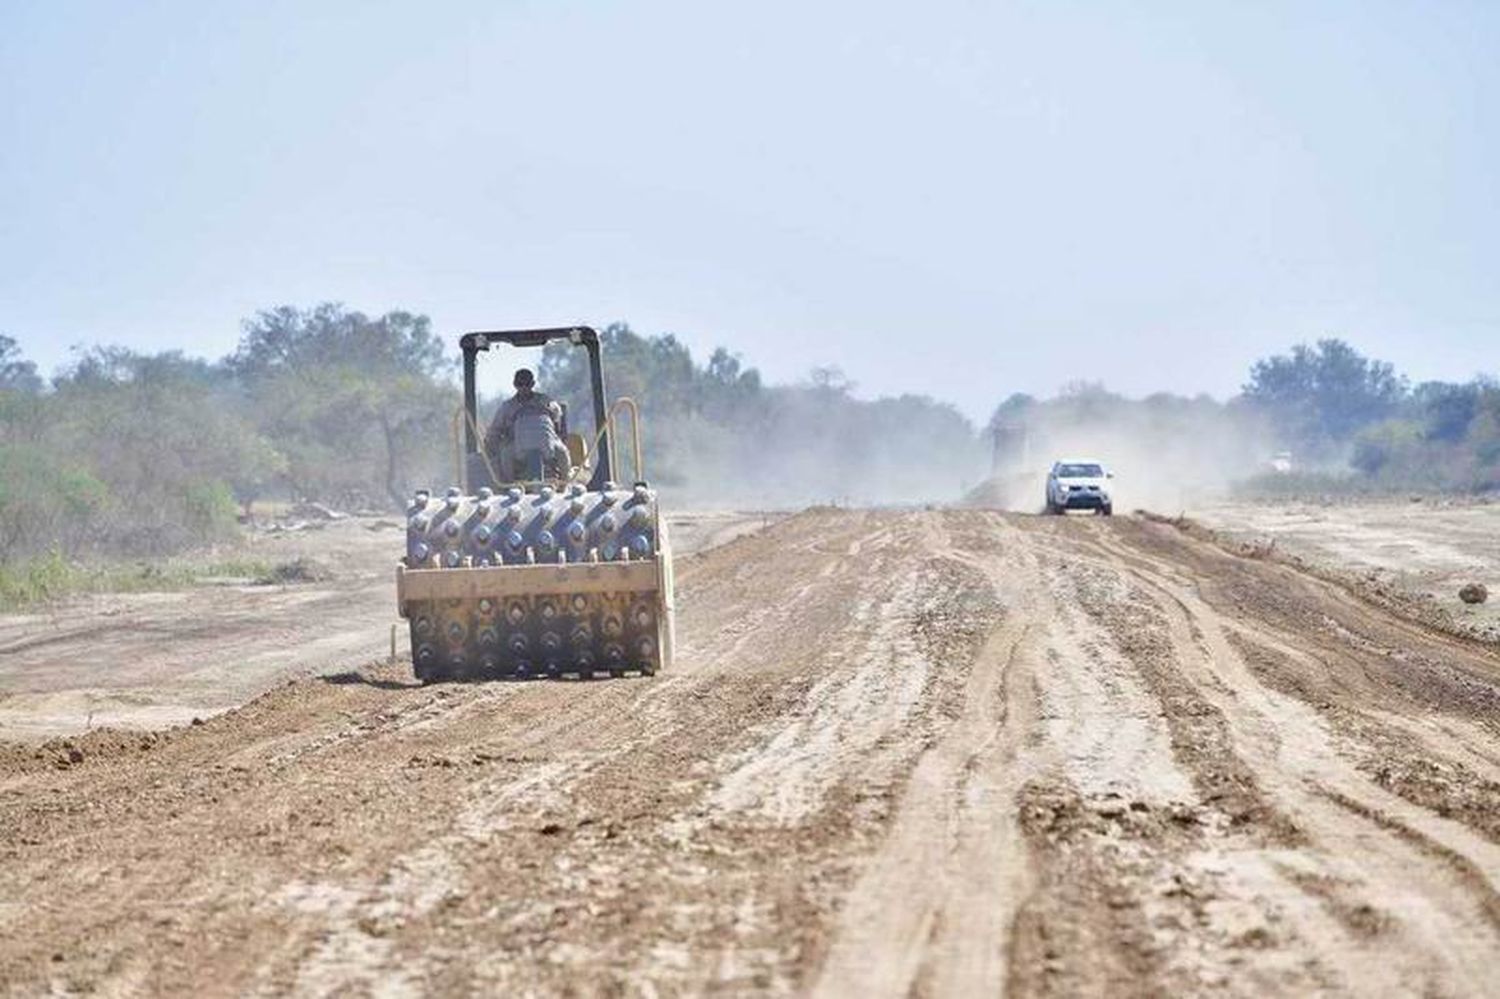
[731, 469]
[716, 436]
[1166, 453]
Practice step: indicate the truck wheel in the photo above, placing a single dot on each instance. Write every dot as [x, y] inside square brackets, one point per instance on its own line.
[1107, 509]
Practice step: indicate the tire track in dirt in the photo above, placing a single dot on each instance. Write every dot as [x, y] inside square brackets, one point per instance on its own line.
[592, 783]
[932, 910]
[1371, 853]
[861, 725]
[1143, 861]
[582, 875]
[1431, 757]
[921, 753]
[955, 901]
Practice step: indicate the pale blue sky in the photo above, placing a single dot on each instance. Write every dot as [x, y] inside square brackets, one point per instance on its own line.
[957, 198]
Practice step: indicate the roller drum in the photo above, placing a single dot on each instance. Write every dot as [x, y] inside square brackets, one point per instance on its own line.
[516, 584]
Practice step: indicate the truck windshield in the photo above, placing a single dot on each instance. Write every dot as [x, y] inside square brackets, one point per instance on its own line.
[1080, 472]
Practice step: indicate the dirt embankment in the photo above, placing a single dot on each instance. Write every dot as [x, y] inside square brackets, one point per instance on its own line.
[904, 753]
[1414, 556]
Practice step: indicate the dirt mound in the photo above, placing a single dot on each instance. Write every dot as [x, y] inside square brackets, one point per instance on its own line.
[96, 745]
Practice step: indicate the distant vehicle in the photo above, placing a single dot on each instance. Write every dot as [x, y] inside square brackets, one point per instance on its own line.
[1281, 462]
[1079, 485]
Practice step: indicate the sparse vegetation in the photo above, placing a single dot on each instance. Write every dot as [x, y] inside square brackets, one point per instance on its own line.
[50, 577]
[128, 455]
[134, 455]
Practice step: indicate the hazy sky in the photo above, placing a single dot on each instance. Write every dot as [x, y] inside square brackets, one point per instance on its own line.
[961, 199]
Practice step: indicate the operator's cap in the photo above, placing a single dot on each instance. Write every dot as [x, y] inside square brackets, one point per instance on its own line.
[524, 377]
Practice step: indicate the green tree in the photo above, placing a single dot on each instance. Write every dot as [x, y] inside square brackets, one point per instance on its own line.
[1448, 409]
[46, 499]
[16, 373]
[332, 337]
[358, 406]
[1322, 395]
[1386, 447]
[157, 432]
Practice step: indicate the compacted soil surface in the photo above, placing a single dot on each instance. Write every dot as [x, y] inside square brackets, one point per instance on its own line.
[902, 752]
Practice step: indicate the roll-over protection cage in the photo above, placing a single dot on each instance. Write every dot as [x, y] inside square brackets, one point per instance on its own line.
[580, 336]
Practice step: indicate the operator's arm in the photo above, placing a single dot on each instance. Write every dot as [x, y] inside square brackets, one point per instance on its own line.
[501, 428]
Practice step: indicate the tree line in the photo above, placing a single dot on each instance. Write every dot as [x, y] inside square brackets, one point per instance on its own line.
[1341, 420]
[1340, 408]
[144, 454]
[124, 452]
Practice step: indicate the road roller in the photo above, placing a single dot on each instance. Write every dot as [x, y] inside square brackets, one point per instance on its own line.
[549, 570]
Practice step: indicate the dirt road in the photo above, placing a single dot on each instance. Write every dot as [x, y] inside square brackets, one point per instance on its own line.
[903, 753]
[157, 659]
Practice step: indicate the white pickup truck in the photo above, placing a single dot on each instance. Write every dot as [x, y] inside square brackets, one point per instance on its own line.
[1079, 484]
